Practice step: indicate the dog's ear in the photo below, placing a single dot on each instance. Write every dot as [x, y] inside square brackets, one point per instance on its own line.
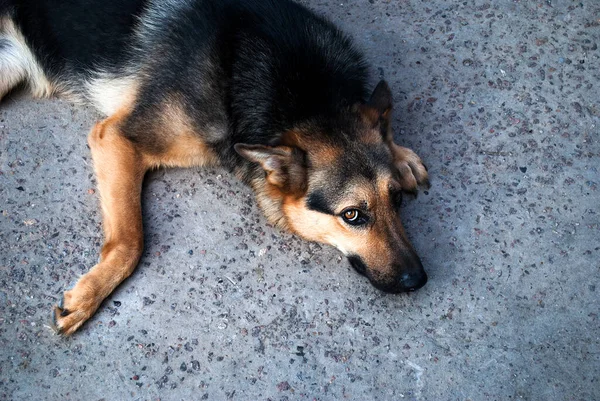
[379, 106]
[381, 98]
[284, 165]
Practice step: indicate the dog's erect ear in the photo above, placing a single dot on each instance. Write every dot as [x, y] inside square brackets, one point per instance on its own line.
[284, 165]
[379, 106]
[381, 98]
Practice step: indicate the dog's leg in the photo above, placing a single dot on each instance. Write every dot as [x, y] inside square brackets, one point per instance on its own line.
[378, 110]
[413, 172]
[120, 170]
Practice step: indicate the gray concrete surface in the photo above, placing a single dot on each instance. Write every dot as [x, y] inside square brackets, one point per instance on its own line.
[501, 99]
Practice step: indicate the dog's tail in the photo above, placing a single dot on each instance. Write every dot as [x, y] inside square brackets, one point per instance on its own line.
[18, 64]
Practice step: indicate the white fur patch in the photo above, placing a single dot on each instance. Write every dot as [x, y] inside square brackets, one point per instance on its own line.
[108, 93]
[18, 64]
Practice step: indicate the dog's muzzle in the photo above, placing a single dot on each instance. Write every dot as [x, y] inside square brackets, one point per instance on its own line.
[411, 275]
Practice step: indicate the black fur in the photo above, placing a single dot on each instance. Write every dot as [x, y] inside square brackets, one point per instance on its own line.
[318, 202]
[74, 37]
[357, 263]
[254, 67]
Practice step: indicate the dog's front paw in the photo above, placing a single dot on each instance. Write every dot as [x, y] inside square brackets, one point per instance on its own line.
[413, 173]
[76, 306]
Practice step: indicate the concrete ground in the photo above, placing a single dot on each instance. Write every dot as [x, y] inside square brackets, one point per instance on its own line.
[501, 99]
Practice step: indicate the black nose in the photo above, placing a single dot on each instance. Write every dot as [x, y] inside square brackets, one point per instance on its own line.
[410, 275]
[412, 281]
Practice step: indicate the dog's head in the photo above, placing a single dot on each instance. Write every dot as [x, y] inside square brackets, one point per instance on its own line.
[336, 182]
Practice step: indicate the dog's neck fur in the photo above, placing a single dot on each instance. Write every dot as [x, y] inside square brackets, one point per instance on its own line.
[271, 206]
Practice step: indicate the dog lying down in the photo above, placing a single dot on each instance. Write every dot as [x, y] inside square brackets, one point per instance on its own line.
[264, 88]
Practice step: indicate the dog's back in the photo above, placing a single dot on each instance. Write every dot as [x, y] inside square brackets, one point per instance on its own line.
[224, 58]
[70, 41]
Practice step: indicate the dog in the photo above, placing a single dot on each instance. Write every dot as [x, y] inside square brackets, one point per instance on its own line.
[264, 88]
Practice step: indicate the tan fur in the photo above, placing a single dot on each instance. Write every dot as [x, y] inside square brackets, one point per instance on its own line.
[326, 155]
[120, 171]
[371, 136]
[120, 167]
[185, 150]
[312, 225]
[382, 245]
[374, 245]
[412, 170]
[183, 146]
[270, 200]
[323, 154]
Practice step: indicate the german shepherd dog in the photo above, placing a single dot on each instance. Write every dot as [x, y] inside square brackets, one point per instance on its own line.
[264, 88]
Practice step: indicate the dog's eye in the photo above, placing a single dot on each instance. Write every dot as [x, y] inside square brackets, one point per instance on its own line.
[351, 215]
[354, 217]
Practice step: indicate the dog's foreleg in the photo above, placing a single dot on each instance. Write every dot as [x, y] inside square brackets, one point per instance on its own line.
[120, 171]
[411, 169]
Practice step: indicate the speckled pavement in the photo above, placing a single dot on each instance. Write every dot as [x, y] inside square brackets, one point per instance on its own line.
[502, 101]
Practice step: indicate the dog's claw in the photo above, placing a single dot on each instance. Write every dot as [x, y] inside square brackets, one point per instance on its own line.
[413, 191]
[74, 309]
[57, 312]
